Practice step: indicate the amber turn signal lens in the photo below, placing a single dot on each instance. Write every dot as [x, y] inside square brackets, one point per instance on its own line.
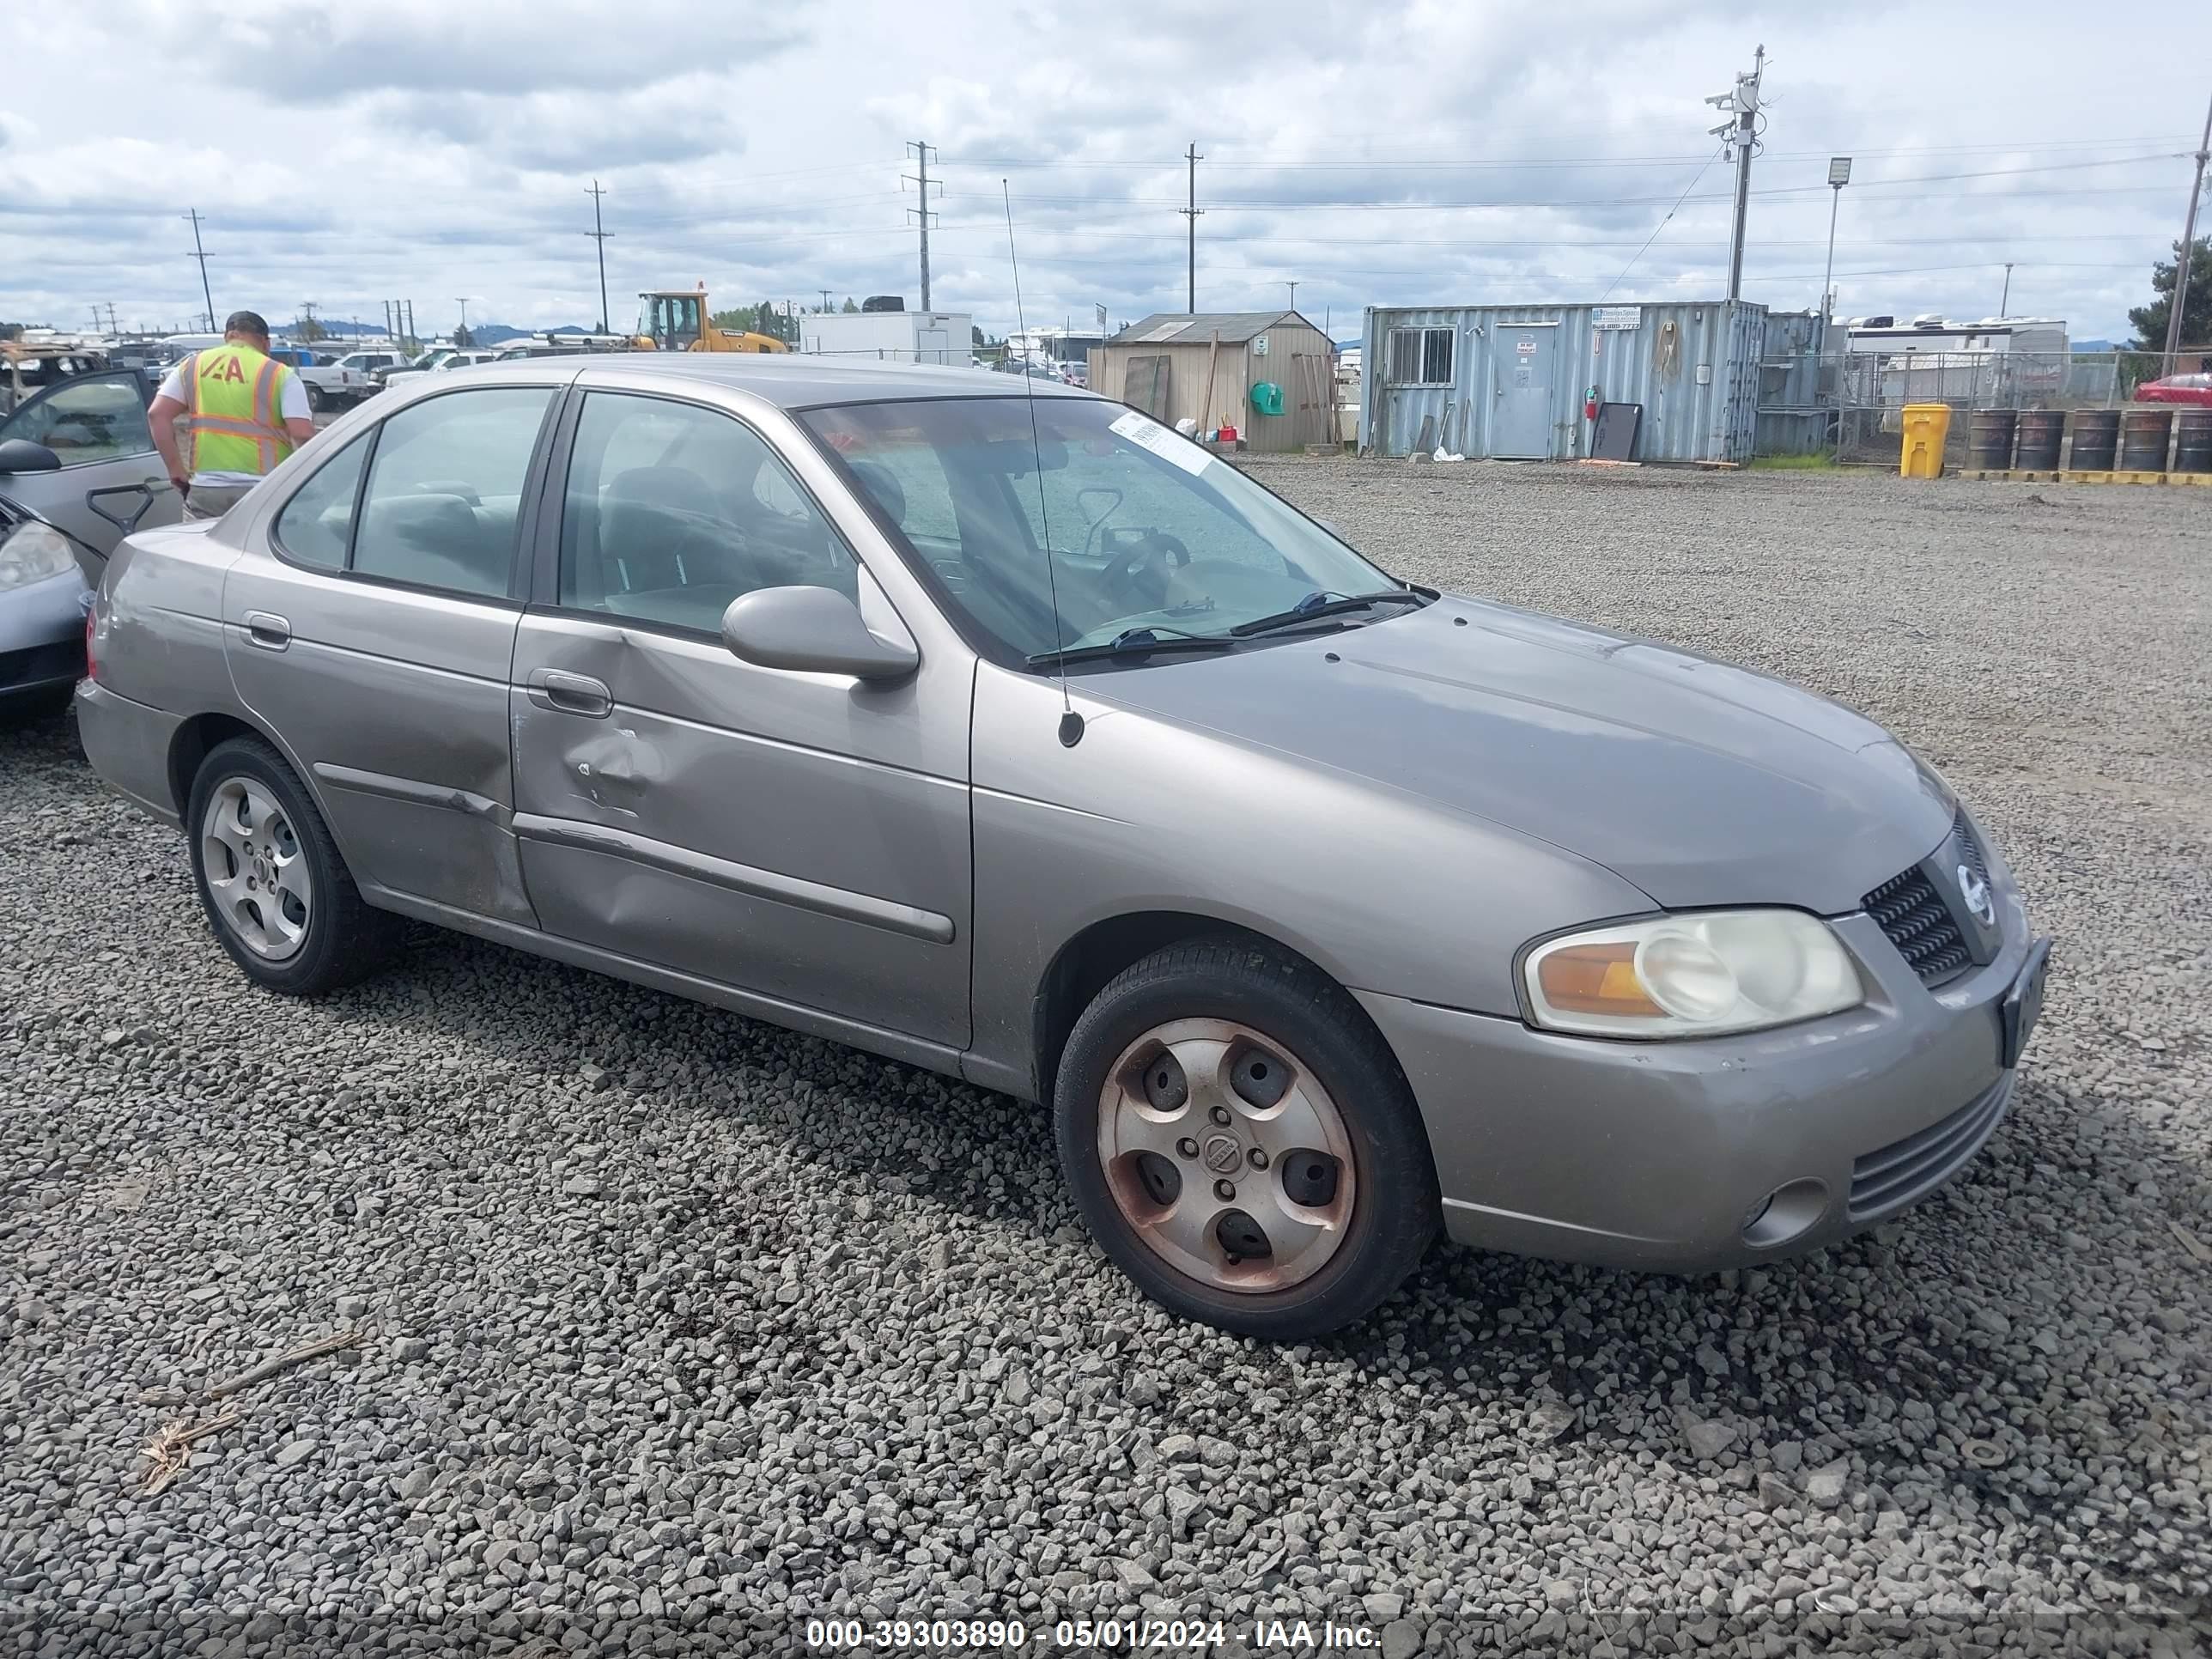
[1596, 979]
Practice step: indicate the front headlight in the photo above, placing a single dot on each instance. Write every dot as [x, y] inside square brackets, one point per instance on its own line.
[1697, 975]
[33, 552]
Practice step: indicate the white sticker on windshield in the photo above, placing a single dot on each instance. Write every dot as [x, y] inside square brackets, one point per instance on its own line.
[1170, 447]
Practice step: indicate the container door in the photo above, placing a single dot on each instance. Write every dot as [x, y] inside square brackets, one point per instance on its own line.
[933, 345]
[1526, 362]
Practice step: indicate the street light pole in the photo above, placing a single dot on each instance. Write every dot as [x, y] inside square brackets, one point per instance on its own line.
[464, 305]
[2004, 298]
[1839, 174]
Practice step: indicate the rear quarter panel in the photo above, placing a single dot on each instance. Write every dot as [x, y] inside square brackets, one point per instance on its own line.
[160, 635]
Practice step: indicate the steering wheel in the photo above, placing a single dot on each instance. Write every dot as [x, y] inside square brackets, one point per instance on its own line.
[1139, 575]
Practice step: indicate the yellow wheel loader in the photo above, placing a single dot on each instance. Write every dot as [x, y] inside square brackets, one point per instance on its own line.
[676, 319]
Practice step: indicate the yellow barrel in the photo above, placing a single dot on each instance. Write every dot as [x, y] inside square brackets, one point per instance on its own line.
[1926, 427]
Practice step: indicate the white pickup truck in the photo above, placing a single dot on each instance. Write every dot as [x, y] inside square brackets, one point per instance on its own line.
[332, 384]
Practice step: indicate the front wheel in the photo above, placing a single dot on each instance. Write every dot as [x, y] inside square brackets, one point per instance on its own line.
[1242, 1143]
[270, 877]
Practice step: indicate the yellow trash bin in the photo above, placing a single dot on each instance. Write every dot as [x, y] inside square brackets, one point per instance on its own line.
[1926, 427]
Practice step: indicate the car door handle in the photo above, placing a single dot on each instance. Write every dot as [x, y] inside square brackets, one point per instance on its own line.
[267, 630]
[570, 694]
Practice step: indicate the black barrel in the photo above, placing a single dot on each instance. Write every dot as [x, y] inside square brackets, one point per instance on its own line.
[2192, 441]
[2145, 436]
[2041, 431]
[2096, 439]
[1988, 439]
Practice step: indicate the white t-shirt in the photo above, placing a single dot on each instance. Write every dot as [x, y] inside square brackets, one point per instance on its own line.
[291, 406]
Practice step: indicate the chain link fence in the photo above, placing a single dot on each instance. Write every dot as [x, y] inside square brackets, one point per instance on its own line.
[1850, 404]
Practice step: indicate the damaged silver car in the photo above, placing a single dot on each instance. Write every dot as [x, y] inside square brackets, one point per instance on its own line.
[1006, 733]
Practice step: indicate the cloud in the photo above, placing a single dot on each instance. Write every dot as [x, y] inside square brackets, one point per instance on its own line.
[680, 119]
[1374, 154]
[314, 51]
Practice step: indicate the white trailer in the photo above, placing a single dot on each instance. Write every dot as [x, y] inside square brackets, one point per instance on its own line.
[901, 336]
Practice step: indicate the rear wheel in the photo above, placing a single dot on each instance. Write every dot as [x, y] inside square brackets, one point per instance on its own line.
[317, 399]
[269, 877]
[1242, 1143]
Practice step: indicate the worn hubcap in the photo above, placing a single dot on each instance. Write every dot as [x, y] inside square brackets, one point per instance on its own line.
[1225, 1155]
[256, 873]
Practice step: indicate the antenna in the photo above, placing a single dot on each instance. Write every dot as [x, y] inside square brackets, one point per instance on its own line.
[1071, 723]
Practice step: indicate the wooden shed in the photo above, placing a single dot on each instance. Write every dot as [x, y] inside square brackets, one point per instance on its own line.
[1210, 368]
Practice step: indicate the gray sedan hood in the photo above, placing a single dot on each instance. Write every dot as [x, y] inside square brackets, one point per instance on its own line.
[1701, 783]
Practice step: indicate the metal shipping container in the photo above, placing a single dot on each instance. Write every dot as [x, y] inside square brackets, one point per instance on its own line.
[904, 337]
[1511, 381]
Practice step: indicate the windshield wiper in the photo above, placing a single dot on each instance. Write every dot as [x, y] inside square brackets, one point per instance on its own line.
[1133, 642]
[1315, 605]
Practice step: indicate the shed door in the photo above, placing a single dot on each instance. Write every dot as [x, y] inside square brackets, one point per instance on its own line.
[1526, 365]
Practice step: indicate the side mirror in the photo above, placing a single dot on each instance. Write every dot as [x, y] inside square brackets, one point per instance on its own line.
[22, 455]
[812, 631]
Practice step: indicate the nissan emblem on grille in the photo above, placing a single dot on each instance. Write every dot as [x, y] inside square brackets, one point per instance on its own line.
[1975, 891]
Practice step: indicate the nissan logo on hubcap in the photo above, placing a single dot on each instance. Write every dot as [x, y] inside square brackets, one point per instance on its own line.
[1223, 1153]
[1975, 890]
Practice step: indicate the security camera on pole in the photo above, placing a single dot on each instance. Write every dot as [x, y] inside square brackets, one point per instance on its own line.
[1739, 134]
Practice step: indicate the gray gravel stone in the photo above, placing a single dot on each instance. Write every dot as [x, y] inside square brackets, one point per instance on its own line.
[731, 1382]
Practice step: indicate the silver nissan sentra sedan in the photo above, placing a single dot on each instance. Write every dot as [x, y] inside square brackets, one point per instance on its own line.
[1004, 732]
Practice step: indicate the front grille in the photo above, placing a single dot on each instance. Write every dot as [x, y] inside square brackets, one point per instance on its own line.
[1970, 850]
[1920, 924]
[1911, 1168]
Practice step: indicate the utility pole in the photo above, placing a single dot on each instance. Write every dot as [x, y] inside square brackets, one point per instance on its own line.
[1741, 133]
[1191, 214]
[2173, 340]
[1839, 174]
[825, 300]
[1293, 287]
[412, 339]
[462, 301]
[2005, 298]
[919, 179]
[599, 234]
[308, 307]
[200, 253]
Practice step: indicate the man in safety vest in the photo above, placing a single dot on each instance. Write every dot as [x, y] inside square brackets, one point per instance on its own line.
[247, 412]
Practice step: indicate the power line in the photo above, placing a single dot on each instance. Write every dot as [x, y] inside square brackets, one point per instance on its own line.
[1662, 224]
[599, 234]
[1741, 132]
[919, 179]
[1190, 211]
[200, 253]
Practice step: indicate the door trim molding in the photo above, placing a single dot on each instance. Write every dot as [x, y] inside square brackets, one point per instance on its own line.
[415, 794]
[817, 896]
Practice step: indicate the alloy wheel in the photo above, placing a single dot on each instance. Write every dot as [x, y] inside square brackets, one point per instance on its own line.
[255, 869]
[1226, 1155]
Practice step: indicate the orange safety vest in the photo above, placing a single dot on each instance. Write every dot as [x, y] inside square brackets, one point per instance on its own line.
[235, 425]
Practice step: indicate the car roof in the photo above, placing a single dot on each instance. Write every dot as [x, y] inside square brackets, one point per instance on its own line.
[799, 380]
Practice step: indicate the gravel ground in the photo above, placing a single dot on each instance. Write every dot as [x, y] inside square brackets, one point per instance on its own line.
[678, 1328]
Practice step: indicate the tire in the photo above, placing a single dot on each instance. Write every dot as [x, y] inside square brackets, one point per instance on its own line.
[1254, 1004]
[334, 938]
[317, 399]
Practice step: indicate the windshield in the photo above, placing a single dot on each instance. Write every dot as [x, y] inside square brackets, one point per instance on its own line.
[1146, 529]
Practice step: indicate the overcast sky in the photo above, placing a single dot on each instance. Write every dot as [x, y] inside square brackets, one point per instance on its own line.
[345, 153]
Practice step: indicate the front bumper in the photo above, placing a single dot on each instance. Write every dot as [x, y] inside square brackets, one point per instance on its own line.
[1658, 1155]
[42, 633]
